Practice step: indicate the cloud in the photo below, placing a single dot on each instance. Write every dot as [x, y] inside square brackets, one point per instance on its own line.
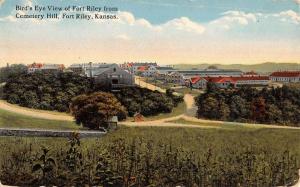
[232, 18]
[297, 2]
[124, 37]
[184, 24]
[1, 2]
[289, 16]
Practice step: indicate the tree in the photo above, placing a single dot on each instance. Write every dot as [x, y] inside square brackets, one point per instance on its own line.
[289, 112]
[13, 70]
[47, 91]
[212, 87]
[95, 110]
[239, 108]
[273, 114]
[224, 110]
[258, 107]
[208, 108]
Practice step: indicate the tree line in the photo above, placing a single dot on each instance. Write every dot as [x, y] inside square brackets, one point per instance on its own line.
[55, 91]
[246, 104]
[12, 70]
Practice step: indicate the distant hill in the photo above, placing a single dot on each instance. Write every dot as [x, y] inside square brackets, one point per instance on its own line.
[263, 67]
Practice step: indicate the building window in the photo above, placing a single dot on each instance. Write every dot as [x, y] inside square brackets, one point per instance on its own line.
[115, 69]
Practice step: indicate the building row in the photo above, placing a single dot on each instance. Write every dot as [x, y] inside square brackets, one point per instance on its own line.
[31, 68]
[106, 75]
[246, 79]
[121, 75]
[226, 82]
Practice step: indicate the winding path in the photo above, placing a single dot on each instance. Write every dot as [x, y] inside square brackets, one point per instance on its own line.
[35, 113]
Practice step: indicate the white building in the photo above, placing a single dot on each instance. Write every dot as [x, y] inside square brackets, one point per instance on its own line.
[46, 68]
[225, 82]
[149, 71]
[285, 76]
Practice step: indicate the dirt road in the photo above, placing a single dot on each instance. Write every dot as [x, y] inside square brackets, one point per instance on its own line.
[35, 113]
[143, 84]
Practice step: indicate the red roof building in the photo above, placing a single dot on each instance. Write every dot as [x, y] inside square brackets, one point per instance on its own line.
[45, 67]
[225, 82]
[285, 76]
[142, 68]
[35, 65]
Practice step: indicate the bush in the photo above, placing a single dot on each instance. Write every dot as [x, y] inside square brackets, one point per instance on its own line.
[95, 110]
[276, 105]
[146, 102]
[47, 91]
[54, 91]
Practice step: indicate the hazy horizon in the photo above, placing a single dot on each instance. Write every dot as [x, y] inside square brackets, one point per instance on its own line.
[162, 64]
[168, 31]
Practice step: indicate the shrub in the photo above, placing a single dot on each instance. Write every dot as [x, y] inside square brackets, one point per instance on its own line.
[96, 109]
[275, 105]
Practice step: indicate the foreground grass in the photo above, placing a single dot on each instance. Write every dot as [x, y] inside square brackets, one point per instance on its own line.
[230, 151]
[223, 125]
[190, 139]
[12, 120]
[194, 140]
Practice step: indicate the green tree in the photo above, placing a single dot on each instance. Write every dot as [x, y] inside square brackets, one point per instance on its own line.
[273, 114]
[289, 112]
[96, 109]
[224, 110]
[13, 70]
[239, 107]
[208, 108]
[258, 107]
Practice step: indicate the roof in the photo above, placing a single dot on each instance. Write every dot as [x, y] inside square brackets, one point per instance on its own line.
[100, 68]
[286, 74]
[143, 63]
[174, 73]
[35, 65]
[46, 66]
[143, 68]
[195, 79]
[53, 66]
[164, 68]
[77, 65]
[250, 78]
[250, 73]
[228, 79]
[219, 79]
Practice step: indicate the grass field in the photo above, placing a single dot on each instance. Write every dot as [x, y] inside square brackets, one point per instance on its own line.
[12, 120]
[223, 125]
[194, 140]
[185, 90]
[231, 147]
[230, 151]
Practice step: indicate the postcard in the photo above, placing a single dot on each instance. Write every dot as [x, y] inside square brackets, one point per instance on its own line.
[150, 93]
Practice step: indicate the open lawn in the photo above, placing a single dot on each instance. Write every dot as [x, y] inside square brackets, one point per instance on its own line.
[9, 119]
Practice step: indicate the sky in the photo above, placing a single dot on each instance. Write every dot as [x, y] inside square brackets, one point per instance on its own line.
[165, 31]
